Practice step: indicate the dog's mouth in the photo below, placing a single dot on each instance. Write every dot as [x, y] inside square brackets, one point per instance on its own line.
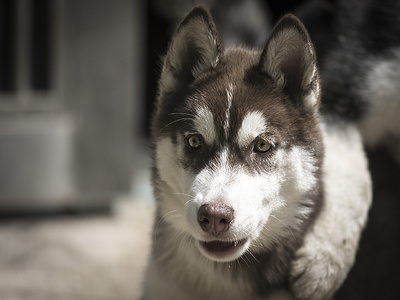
[224, 250]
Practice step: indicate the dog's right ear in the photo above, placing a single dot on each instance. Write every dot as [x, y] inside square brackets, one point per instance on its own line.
[195, 48]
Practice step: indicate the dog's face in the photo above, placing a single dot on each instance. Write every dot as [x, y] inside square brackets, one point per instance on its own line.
[237, 141]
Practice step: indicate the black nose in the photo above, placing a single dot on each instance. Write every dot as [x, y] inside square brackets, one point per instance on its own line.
[215, 218]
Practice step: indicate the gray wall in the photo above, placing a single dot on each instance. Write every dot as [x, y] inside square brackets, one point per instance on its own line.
[71, 146]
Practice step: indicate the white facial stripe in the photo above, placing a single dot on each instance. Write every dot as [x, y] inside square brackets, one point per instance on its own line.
[229, 94]
[252, 126]
[204, 124]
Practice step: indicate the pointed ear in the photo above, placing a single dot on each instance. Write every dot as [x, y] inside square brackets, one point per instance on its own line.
[289, 58]
[195, 48]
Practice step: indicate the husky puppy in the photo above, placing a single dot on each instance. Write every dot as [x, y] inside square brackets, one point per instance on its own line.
[257, 196]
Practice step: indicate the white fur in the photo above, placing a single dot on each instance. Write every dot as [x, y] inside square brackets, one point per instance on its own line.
[172, 184]
[252, 126]
[296, 179]
[329, 248]
[204, 124]
[235, 187]
[192, 276]
[229, 96]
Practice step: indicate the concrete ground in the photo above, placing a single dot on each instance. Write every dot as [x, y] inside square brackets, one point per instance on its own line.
[98, 256]
[83, 258]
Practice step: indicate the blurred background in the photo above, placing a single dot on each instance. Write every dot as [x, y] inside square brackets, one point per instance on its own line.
[78, 79]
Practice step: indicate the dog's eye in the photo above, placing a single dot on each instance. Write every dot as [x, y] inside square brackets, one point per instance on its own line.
[262, 146]
[194, 141]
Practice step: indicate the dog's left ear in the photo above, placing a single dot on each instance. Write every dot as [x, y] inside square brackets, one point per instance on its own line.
[289, 58]
[195, 48]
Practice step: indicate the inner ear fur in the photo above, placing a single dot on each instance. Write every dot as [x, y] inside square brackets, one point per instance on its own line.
[195, 47]
[289, 58]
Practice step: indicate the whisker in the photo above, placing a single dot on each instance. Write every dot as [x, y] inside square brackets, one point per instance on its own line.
[182, 114]
[175, 121]
[188, 201]
[251, 253]
[159, 222]
[183, 194]
[243, 258]
[285, 226]
[258, 244]
[191, 197]
[183, 242]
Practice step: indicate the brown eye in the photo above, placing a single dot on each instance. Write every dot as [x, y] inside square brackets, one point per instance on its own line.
[262, 146]
[194, 141]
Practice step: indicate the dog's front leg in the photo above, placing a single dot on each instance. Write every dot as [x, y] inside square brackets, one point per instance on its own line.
[320, 268]
[328, 252]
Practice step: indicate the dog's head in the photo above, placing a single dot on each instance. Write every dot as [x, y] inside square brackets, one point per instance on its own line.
[237, 141]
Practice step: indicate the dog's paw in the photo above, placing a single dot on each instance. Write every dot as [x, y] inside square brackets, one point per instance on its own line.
[317, 271]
